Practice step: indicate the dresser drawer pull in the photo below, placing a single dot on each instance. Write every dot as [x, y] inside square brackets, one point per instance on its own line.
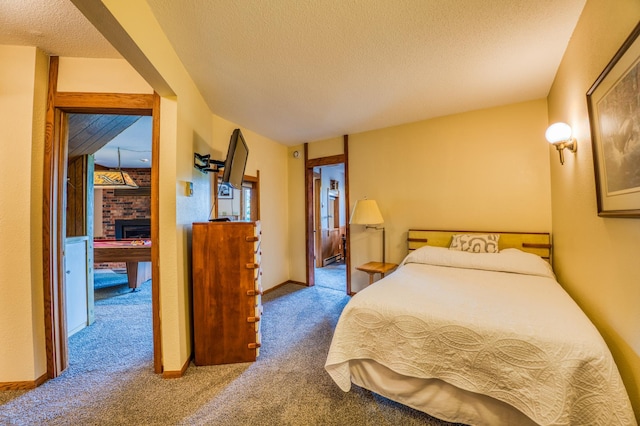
[252, 265]
[254, 293]
[253, 319]
[253, 345]
[252, 239]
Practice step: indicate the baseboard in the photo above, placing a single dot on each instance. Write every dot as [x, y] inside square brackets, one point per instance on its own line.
[177, 374]
[282, 284]
[332, 259]
[26, 385]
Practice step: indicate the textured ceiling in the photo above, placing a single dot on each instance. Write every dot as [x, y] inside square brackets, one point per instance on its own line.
[55, 26]
[299, 71]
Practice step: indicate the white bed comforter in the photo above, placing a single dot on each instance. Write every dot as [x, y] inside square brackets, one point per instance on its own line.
[494, 324]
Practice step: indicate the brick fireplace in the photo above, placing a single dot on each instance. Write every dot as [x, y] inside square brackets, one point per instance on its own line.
[126, 205]
[133, 228]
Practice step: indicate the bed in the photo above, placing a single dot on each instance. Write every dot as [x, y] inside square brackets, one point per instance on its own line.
[479, 338]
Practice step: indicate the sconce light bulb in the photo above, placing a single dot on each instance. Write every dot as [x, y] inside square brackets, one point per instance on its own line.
[558, 132]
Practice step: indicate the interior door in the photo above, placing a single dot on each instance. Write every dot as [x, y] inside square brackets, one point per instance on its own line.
[79, 218]
[77, 280]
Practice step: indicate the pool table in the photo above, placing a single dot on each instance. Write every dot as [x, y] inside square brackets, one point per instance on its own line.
[135, 253]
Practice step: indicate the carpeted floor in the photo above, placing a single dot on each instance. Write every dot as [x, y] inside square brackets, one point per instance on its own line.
[333, 276]
[107, 277]
[110, 380]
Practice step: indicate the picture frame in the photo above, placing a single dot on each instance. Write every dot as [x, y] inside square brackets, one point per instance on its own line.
[225, 191]
[613, 102]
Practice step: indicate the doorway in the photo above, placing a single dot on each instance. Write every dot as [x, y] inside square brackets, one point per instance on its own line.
[116, 218]
[330, 224]
[59, 106]
[327, 211]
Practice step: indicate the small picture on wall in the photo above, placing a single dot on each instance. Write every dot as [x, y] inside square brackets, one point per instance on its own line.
[225, 191]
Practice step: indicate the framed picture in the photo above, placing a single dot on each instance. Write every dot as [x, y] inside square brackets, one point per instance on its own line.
[614, 116]
[225, 191]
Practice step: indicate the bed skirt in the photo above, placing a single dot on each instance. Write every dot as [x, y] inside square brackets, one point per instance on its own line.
[435, 397]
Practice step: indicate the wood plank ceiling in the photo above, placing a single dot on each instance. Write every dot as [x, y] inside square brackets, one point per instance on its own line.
[90, 132]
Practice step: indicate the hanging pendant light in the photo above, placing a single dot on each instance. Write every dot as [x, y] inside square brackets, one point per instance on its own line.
[113, 179]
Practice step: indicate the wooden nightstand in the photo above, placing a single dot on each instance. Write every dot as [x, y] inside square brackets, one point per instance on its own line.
[373, 268]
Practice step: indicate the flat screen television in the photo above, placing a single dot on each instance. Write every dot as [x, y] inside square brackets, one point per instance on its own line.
[236, 162]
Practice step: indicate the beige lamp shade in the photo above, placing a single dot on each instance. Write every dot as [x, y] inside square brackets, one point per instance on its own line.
[366, 212]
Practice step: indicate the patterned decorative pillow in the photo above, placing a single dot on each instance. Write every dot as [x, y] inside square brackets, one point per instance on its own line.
[475, 243]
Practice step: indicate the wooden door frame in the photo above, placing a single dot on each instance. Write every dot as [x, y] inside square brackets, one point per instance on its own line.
[309, 203]
[317, 220]
[254, 182]
[54, 176]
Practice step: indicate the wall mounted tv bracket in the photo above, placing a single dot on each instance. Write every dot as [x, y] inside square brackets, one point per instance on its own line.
[204, 163]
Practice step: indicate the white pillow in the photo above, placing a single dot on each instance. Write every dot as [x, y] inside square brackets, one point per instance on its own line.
[508, 260]
[475, 243]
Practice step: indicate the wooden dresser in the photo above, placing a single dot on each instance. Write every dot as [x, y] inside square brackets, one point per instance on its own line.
[227, 292]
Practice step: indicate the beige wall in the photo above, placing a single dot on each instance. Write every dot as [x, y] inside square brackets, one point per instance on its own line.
[99, 76]
[23, 76]
[296, 240]
[328, 147]
[480, 170]
[596, 258]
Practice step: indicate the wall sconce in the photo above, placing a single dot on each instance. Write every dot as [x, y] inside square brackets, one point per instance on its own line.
[559, 135]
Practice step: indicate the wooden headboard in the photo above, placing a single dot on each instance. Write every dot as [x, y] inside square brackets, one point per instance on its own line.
[532, 242]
